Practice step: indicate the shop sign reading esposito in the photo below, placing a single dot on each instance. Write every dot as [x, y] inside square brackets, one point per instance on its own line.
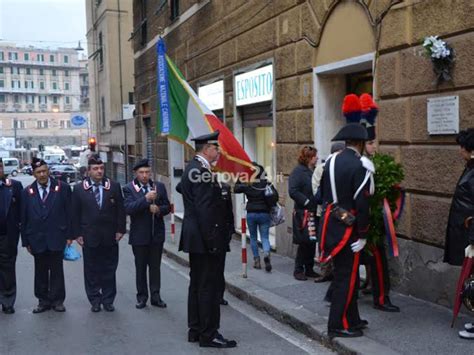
[254, 86]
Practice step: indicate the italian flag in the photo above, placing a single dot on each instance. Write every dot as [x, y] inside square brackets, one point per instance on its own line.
[189, 118]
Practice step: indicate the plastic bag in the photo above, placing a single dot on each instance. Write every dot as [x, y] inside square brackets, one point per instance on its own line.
[71, 253]
[277, 215]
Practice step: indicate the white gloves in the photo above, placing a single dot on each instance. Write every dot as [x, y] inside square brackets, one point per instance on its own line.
[360, 244]
[469, 251]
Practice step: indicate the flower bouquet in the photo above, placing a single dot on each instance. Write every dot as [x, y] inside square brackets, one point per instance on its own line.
[442, 57]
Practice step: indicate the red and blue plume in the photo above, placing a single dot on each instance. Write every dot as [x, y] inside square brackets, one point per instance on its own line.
[369, 109]
[351, 108]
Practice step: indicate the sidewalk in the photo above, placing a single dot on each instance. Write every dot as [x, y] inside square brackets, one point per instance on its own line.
[420, 328]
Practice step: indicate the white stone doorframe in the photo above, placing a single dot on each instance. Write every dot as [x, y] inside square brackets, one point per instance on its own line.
[239, 201]
[329, 89]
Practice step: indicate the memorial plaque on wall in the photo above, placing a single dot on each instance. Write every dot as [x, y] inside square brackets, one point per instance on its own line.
[443, 115]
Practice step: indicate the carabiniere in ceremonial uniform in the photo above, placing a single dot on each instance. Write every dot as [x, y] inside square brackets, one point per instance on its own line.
[345, 195]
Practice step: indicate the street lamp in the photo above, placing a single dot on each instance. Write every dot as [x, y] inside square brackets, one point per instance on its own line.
[79, 47]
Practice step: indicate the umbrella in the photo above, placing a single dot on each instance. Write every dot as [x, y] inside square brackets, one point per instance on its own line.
[465, 273]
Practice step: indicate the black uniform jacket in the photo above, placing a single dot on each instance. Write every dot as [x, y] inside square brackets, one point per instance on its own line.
[459, 233]
[204, 227]
[12, 208]
[98, 225]
[349, 176]
[138, 208]
[46, 226]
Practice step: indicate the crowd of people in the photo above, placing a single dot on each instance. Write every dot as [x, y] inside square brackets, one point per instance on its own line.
[50, 215]
[330, 224]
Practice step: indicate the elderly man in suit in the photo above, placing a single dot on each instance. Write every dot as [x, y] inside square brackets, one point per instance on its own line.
[98, 225]
[146, 201]
[45, 231]
[10, 195]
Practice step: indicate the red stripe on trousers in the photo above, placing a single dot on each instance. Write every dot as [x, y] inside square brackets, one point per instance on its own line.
[355, 271]
[323, 232]
[379, 267]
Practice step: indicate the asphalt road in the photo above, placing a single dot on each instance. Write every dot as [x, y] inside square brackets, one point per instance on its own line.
[132, 331]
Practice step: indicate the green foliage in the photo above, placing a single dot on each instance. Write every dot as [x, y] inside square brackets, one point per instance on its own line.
[388, 175]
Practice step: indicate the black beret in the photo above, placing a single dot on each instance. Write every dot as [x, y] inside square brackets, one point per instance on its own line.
[210, 138]
[36, 163]
[95, 160]
[141, 164]
[465, 139]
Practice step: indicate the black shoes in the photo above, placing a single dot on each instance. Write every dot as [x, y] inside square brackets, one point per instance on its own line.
[140, 305]
[193, 337]
[300, 276]
[324, 278]
[59, 308]
[387, 307]
[159, 303]
[223, 302]
[95, 308]
[268, 265]
[109, 307]
[345, 333]
[311, 273]
[41, 309]
[362, 325]
[8, 309]
[218, 342]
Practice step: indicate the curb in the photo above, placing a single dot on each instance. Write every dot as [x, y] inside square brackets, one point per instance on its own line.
[308, 323]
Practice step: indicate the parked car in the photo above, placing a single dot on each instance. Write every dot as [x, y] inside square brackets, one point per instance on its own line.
[67, 172]
[11, 166]
[26, 170]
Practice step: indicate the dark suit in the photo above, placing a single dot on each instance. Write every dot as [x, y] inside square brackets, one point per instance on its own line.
[337, 239]
[203, 236]
[45, 228]
[147, 246]
[98, 226]
[226, 205]
[10, 217]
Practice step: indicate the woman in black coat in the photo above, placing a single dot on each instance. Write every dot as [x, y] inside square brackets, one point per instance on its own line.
[301, 192]
[460, 229]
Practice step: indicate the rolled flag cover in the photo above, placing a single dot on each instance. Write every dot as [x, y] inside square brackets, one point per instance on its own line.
[351, 108]
[369, 109]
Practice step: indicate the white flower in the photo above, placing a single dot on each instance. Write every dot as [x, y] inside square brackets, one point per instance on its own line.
[436, 47]
[429, 40]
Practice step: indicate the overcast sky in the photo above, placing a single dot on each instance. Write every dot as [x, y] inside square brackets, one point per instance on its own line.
[43, 23]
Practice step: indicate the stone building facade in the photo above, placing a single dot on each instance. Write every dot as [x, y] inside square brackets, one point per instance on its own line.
[320, 50]
[39, 93]
[109, 24]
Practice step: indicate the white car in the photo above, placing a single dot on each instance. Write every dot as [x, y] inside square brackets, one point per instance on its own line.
[11, 166]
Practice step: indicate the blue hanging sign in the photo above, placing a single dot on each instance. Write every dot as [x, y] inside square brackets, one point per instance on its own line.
[163, 88]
